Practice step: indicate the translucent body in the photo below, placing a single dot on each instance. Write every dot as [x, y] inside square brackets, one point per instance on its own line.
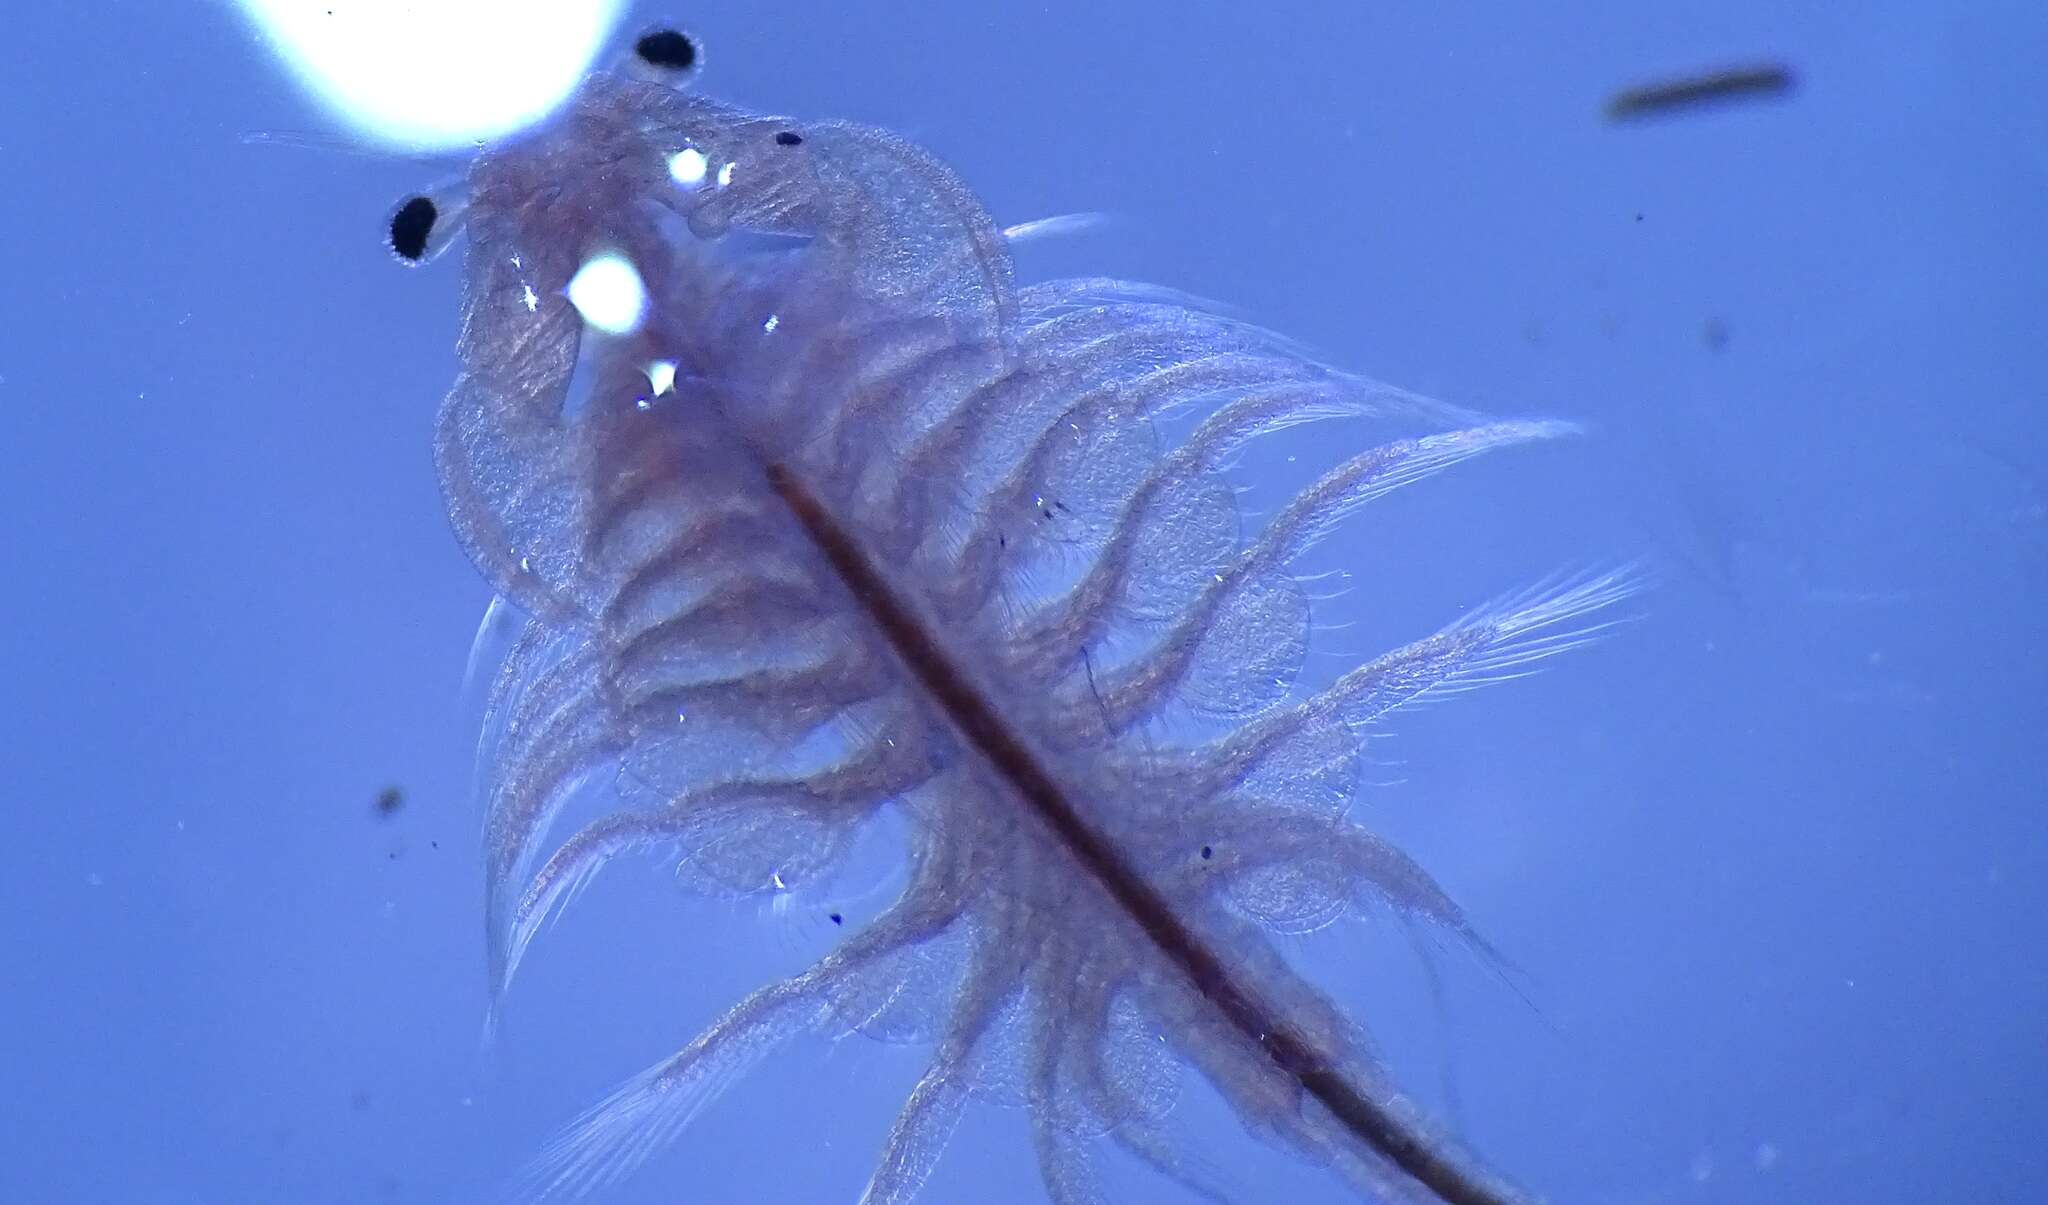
[888, 480]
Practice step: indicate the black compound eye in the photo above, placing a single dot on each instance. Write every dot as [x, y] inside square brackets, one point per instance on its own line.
[412, 227]
[788, 138]
[667, 49]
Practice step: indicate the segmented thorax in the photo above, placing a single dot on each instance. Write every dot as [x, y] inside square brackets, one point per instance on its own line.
[843, 518]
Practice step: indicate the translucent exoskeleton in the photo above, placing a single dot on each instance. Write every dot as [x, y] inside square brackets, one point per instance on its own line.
[841, 519]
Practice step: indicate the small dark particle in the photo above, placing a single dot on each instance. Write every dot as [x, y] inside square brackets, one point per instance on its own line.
[788, 138]
[359, 1100]
[668, 49]
[1207, 853]
[411, 227]
[389, 800]
[837, 919]
[1639, 217]
[1714, 333]
[1758, 82]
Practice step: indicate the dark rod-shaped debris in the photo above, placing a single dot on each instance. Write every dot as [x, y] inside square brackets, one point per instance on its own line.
[1756, 82]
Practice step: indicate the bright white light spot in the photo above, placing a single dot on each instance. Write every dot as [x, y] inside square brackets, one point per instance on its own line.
[662, 375]
[687, 167]
[441, 75]
[775, 877]
[531, 298]
[609, 295]
[725, 174]
[768, 327]
[525, 565]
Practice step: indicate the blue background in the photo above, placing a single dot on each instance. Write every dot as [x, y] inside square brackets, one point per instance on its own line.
[1771, 858]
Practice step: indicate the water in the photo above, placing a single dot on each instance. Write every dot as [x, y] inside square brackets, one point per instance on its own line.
[1768, 858]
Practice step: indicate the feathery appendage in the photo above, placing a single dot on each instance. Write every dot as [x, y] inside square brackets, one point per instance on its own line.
[904, 533]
